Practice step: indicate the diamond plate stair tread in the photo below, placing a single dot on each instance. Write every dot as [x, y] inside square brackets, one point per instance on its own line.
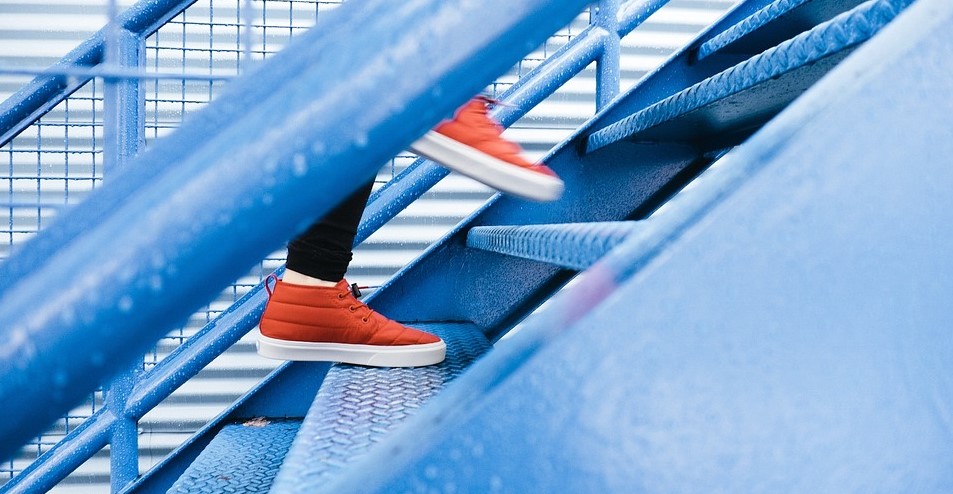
[243, 457]
[767, 22]
[569, 245]
[357, 406]
[804, 51]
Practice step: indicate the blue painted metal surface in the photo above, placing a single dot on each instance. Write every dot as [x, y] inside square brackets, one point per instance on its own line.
[123, 135]
[719, 104]
[775, 23]
[359, 406]
[287, 175]
[789, 332]
[286, 393]
[78, 446]
[595, 195]
[123, 124]
[198, 351]
[569, 245]
[243, 457]
[599, 188]
[608, 69]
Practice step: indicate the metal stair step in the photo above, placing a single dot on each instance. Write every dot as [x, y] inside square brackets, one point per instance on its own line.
[741, 98]
[358, 406]
[243, 457]
[779, 21]
[568, 245]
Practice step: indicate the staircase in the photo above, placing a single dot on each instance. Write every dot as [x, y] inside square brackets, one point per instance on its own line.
[755, 300]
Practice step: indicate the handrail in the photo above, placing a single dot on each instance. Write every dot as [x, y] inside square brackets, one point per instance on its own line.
[186, 361]
[136, 292]
[227, 328]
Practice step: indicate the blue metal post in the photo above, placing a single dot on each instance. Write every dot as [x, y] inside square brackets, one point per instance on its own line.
[608, 73]
[123, 129]
[242, 191]
[123, 124]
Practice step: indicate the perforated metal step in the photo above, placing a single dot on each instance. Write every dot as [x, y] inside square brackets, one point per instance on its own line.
[358, 406]
[779, 21]
[748, 94]
[570, 245]
[243, 457]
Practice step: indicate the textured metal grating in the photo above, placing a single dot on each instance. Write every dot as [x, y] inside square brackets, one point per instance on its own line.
[757, 20]
[571, 245]
[358, 406]
[804, 11]
[840, 33]
[241, 458]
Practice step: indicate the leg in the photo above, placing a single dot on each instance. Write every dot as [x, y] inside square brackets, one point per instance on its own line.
[324, 250]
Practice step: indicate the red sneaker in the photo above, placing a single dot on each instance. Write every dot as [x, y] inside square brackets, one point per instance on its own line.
[329, 324]
[472, 144]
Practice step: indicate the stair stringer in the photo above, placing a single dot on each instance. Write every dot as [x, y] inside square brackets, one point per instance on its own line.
[791, 333]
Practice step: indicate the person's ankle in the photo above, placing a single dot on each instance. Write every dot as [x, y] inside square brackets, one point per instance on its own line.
[296, 278]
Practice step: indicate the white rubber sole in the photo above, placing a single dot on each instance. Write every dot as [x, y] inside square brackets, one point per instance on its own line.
[486, 169]
[369, 355]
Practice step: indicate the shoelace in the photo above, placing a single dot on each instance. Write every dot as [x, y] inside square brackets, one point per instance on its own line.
[358, 306]
[495, 102]
[271, 278]
[353, 290]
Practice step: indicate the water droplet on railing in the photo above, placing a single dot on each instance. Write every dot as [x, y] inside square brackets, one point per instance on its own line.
[300, 165]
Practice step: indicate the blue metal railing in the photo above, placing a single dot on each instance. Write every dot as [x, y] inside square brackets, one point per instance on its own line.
[132, 395]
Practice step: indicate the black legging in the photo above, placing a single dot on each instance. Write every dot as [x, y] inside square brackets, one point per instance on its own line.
[324, 250]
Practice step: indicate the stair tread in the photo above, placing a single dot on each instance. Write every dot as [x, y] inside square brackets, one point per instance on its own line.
[569, 245]
[357, 406]
[780, 20]
[243, 457]
[733, 97]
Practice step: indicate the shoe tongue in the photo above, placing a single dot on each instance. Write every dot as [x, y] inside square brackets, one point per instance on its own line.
[343, 285]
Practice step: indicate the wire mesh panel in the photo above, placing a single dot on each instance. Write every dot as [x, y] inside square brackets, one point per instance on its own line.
[52, 164]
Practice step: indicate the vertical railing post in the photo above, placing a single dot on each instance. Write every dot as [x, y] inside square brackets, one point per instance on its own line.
[608, 65]
[123, 136]
[124, 439]
[123, 100]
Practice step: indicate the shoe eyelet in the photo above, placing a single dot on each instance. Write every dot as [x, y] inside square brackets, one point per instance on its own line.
[341, 296]
[352, 308]
[364, 319]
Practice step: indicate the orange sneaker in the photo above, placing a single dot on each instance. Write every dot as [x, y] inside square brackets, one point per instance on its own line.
[329, 324]
[471, 143]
